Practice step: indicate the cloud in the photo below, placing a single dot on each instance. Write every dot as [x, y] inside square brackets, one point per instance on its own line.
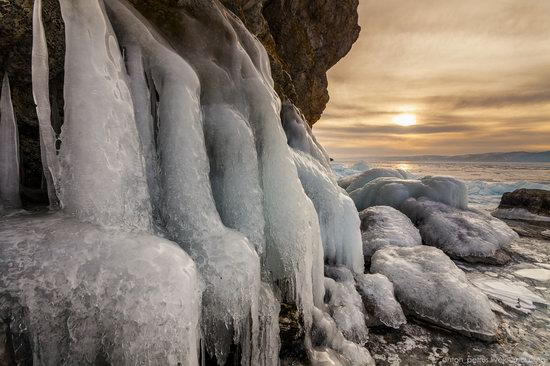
[476, 74]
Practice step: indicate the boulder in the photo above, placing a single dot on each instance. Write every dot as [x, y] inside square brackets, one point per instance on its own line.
[536, 201]
[379, 299]
[466, 234]
[431, 287]
[382, 226]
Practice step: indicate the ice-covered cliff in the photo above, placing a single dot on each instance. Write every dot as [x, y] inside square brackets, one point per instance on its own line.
[186, 209]
[303, 40]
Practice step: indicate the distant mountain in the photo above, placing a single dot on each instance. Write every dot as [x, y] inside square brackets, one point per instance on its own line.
[511, 157]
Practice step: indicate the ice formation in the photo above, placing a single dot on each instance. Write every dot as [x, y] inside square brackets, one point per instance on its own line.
[430, 286]
[81, 294]
[332, 348]
[174, 133]
[459, 233]
[511, 294]
[9, 150]
[379, 299]
[382, 226]
[518, 214]
[357, 181]
[394, 191]
[338, 219]
[41, 93]
[102, 179]
[345, 304]
[537, 274]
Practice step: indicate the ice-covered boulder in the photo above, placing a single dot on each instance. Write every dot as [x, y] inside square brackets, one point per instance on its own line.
[431, 287]
[394, 191]
[467, 234]
[81, 294]
[359, 180]
[345, 304]
[382, 226]
[379, 299]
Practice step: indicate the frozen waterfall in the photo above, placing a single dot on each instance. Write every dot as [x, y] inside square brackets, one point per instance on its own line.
[182, 194]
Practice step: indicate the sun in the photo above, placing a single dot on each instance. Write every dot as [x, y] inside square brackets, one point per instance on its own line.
[405, 119]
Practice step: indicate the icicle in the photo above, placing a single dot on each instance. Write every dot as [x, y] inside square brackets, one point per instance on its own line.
[228, 262]
[141, 96]
[9, 150]
[269, 343]
[103, 174]
[338, 217]
[41, 93]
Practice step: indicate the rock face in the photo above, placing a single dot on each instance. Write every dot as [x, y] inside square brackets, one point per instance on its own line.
[536, 201]
[303, 39]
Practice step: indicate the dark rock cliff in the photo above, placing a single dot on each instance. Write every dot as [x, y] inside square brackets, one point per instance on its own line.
[303, 38]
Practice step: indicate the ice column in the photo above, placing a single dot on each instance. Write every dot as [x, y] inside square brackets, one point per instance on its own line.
[338, 217]
[40, 87]
[9, 150]
[141, 97]
[102, 176]
[227, 260]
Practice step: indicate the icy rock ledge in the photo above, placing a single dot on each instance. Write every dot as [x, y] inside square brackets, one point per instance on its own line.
[382, 226]
[431, 287]
[82, 294]
[466, 234]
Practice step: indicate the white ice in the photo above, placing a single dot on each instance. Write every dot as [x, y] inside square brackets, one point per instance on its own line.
[336, 213]
[537, 274]
[357, 181]
[9, 150]
[41, 93]
[181, 137]
[430, 286]
[338, 218]
[83, 294]
[378, 297]
[459, 233]
[228, 262]
[102, 177]
[330, 347]
[382, 226]
[345, 304]
[394, 191]
[511, 294]
[518, 214]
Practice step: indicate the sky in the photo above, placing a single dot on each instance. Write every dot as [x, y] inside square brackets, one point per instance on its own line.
[463, 76]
